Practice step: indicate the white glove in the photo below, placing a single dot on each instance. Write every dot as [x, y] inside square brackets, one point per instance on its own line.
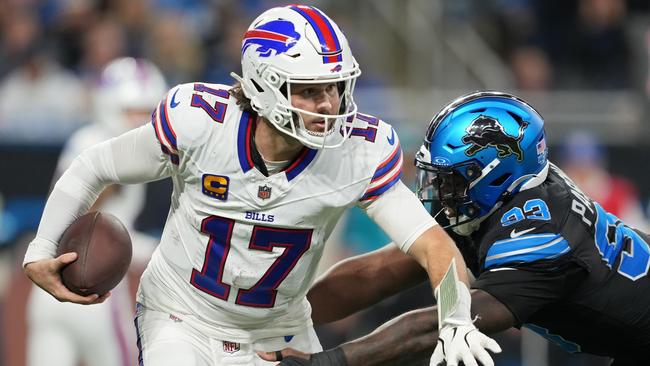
[463, 343]
[458, 338]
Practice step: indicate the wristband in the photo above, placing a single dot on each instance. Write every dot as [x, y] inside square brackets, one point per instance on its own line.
[331, 357]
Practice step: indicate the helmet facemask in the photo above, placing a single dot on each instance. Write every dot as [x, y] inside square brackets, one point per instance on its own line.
[277, 86]
[337, 127]
[445, 190]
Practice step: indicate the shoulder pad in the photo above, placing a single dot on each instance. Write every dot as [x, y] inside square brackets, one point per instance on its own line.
[186, 111]
[386, 147]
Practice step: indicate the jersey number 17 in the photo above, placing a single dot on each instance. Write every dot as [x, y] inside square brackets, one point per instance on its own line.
[262, 295]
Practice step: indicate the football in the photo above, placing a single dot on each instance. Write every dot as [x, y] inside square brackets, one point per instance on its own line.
[103, 246]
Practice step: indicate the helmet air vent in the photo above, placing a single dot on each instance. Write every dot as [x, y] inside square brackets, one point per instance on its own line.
[516, 117]
[500, 180]
[452, 147]
[258, 87]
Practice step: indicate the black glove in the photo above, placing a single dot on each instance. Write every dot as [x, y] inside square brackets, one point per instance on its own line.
[332, 357]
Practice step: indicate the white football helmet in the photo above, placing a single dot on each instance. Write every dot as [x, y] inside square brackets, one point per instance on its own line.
[298, 44]
[127, 85]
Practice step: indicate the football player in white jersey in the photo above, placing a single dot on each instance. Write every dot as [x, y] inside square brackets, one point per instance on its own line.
[262, 171]
[64, 334]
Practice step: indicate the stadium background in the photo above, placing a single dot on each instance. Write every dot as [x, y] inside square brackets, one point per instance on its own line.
[582, 63]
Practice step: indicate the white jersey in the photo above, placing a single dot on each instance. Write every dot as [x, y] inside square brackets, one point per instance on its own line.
[239, 250]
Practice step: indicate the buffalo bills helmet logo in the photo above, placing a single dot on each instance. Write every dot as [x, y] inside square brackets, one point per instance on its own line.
[272, 38]
[486, 132]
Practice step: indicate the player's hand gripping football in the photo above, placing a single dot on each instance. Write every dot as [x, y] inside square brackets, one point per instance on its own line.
[46, 273]
[458, 338]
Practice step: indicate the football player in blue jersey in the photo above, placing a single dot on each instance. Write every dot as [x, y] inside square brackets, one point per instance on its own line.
[262, 171]
[545, 255]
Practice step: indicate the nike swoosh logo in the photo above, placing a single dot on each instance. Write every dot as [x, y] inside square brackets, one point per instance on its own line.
[174, 103]
[502, 269]
[391, 139]
[515, 234]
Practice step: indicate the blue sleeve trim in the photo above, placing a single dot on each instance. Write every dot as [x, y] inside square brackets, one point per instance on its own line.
[526, 249]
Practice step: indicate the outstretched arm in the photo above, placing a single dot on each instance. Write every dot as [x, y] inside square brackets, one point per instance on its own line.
[413, 335]
[401, 215]
[407, 338]
[370, 277]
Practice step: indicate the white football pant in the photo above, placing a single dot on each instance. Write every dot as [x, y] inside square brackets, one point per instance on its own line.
[167, 340]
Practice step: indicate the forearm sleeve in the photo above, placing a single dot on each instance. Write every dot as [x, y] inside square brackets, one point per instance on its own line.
[134, 157]
[401, 215]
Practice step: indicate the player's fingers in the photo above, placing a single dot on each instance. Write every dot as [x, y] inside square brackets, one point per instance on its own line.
[482, 356]
[65, 259]
[461, 357]
[292, 352]
[102, 298]
[438, 356]
[62, 294]
[468, 359]
[84, 300]
[491, 344]
[279, 355]
[267, 356]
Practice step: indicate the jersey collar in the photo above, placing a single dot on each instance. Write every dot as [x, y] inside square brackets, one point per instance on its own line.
[250, 158]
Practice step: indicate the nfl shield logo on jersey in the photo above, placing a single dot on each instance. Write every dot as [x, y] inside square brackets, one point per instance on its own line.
[230, 347]
[264, 192]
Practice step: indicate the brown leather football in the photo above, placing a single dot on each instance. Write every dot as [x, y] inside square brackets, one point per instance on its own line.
[104, 250]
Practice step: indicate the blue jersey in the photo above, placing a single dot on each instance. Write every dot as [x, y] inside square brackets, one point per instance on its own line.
[567, 269]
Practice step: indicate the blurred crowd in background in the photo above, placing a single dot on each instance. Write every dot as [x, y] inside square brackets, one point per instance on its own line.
[583, 63]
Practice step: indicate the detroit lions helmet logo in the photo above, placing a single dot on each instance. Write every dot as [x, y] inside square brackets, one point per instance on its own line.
[486, 132]
[271, 38]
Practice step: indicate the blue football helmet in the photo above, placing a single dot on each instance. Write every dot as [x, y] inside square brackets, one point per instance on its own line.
[478, 151]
